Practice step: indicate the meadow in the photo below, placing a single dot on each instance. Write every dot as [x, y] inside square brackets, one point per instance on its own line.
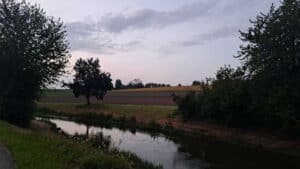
[143, 96]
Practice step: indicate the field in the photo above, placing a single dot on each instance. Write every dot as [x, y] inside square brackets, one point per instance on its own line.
[145, 96]
[142, 113]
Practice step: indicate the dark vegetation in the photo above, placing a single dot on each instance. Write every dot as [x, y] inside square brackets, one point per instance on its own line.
[196, 83]
[90, 80]
[264, 93]
[137, 84]
[33, 53]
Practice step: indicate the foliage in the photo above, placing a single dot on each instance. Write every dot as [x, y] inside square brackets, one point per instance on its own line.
[265, 91]
[119, 84]
[89, 80]
[136, 83]
[33, 53]
[196, 83]
[271, 57]
[154, 85]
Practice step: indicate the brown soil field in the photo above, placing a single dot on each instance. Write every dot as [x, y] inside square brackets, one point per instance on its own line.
[147, 97]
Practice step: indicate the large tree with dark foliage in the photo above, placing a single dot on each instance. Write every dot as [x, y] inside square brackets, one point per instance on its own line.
[271, 57]
[33, 53]
[89, 80]
[265, 91]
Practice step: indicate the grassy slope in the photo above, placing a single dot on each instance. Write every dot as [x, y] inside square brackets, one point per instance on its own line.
[140, 112]
[32, 150]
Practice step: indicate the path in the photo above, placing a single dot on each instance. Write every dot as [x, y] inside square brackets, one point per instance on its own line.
[6, 162]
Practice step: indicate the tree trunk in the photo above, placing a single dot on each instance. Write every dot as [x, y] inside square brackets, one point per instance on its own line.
[88, 100]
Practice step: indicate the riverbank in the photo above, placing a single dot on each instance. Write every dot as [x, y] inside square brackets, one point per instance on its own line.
[162, 118]
[40, 148]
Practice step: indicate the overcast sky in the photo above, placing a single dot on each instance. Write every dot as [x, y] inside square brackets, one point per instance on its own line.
[166, 41]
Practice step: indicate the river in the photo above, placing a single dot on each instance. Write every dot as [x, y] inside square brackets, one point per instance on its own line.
[182, 152]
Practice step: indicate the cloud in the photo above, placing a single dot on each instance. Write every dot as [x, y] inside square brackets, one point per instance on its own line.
[201, 39]
[98, 37]
[85, 36]
[148, 18]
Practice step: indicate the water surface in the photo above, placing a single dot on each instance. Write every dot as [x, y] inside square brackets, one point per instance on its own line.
[173, 152]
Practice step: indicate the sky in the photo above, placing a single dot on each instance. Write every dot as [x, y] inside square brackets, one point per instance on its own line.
[163, 41]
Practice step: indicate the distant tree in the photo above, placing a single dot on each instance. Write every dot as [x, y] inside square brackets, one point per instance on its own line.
[136, 83]
[33, 54]
[196, 83]
[153, 85]
[89, 80]
[179, 85]
[118, 84]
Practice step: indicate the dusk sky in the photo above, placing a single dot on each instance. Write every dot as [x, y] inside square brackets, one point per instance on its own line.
[166, 41]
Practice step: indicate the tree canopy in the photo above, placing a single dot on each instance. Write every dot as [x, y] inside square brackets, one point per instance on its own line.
[265, 91]
[89, 80]
[33, 54]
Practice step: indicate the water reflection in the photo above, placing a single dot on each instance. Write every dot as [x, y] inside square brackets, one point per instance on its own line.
[173, 152]
[157, 150]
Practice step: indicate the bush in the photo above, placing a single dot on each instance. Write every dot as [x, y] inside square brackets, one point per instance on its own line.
[232, 100]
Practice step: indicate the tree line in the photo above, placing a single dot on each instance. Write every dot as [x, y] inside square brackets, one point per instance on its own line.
[264, 92]
[137, 83]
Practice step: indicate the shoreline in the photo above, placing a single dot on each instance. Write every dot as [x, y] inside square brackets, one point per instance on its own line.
[254, 139]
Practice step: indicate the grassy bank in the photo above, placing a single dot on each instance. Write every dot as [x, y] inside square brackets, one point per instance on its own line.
[141, 113]
[160, 118]
[32, 149]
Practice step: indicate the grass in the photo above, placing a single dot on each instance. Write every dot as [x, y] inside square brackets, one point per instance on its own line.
[140, 112]
[163, 89]
[33, 150]
[57, 92]
[67, 92]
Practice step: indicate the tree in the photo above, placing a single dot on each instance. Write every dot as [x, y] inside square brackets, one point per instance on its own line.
[89, 80]
[196, 83]
[33, 54]
[271, 56]
[265, 91]
[273, 42]
[136, 83]
[118, 84]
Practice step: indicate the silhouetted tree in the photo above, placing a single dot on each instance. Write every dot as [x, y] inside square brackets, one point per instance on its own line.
[196, 83]
[33, 53]
[136, 83]
[89, 80]
[118, 84]
[271, 56]
[265, 91]
[153, 85]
